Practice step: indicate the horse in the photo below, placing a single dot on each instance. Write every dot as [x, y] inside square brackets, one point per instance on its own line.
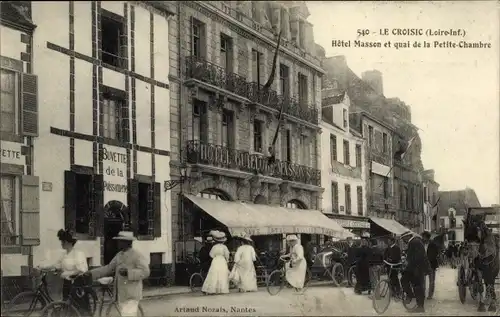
[487, 264]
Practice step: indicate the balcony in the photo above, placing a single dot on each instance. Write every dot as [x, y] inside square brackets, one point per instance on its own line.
[224, 157]
[346, 170]
[252, 92]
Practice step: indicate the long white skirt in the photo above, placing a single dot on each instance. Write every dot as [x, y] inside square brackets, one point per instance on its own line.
[296, 275]
[217, 281]
[245, 276]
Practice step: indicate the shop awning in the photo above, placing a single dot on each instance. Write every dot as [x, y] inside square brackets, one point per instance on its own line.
[256, 219]
[390, 225]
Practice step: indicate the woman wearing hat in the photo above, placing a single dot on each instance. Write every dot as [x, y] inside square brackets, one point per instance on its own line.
[296, 270]
[243, 273]
[129, 267]
[217, 280]
[364, 256]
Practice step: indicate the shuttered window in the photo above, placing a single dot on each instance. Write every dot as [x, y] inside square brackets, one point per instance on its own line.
[30, 211]
[9, 212]
[335, 197]
[9, 115]
[359, 194]
[347, 199]
[144, 200]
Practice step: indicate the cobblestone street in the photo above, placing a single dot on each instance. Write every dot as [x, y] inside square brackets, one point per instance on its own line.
[317, 300]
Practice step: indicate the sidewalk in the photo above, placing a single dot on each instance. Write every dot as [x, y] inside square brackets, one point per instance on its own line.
[165, 291]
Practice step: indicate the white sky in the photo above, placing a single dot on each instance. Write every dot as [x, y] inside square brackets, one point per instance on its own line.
[453, 93]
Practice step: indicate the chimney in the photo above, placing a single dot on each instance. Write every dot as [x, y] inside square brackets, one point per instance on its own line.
[429, 174]
[374, 79]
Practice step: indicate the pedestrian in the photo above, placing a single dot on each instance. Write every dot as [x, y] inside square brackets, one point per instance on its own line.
[309, 254]
[363, 282]
[72, 262]
[432, 251]
[129, 268]
[417, 267]
[217, 280]
[204, 254]
[393, 256]
[243, 273]
[297, 266]
[377, 259]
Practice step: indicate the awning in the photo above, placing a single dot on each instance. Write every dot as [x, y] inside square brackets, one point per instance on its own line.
[390, 225]
[254, 219]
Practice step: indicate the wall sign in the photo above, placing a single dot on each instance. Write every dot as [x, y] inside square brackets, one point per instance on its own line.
[380, 169]
[353, 223]
[115, 169]
[10, 152]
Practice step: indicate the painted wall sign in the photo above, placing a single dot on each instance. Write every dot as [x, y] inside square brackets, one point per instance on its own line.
[353, 223]
[380, 169]
[115, 172]
[10, 152]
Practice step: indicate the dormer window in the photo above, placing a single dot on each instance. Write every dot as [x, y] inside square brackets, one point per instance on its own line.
[344, 112]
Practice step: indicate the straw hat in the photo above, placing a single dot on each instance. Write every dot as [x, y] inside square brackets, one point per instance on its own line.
[125, 235]
[219, 236]
[365, 235]
[244, 236]
[292, 237]
[211, 233]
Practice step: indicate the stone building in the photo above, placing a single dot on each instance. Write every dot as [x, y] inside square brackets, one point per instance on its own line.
[430, 203]
[223, 120]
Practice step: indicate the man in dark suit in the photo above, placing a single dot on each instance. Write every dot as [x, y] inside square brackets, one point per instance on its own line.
[417, 267]
[363, 255]
[393, 256]
[432, 255]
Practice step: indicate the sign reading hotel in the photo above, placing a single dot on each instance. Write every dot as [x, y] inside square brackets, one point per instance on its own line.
[10, 153]
[115, 170]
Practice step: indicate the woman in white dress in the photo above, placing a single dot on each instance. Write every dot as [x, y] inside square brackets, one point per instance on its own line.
[217, 280]
[73, 262]
[243, 273]
[296, 268]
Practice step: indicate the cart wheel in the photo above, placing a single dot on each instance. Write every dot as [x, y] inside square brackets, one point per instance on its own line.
[461, 284]
[337, 274]
[351, 276]
[196, 282]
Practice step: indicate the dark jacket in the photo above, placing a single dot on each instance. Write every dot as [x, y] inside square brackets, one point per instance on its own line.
[416, 258]
[433, 254]
[204, 256]
[393, 254]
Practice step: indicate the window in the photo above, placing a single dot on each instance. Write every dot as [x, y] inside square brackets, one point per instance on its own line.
[358, 155]
[303, 93]
[284, 80]
[226, 53]
[145, 212]
[426, 194]
[84, 199]
[305, 146]
[227, 129]
[359, 195]
[256, 65]
[314, 90]
[302, 35]
[333, 148]
[200, 121]
[257, 136]
[115, 116]
[402, 198]
[113, 43]
[347, 199]
[347, 154]
[9, 207]
[409, 198]
[9, 114]
[197, 38]
[288, 145]
[384, 140]
[370, 135]
[344, 113]
[386, 187]
[335, 197]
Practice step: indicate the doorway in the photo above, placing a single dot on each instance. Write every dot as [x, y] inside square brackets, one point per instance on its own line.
[115, 220]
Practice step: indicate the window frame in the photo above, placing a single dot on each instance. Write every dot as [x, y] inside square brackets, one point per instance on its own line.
[385, 141]
[358, 153]
[227, 127]
[370, 135]
[259, 134]
[15, 215]
[344, 115]
[17, 102]
[228, 52]
[303, 90]
[256, 65]
[348, 199]
[284, 78]
[122, 60]
[333, 149]
[198, 38]
[199, 127]
[347, 152]
[335, 197]
[359, 196]
[122, 117]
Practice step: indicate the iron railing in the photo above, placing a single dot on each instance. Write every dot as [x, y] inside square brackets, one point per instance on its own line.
[212, 74]
[217, 155]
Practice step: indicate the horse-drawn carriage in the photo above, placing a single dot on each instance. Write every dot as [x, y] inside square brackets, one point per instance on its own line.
[479, 258]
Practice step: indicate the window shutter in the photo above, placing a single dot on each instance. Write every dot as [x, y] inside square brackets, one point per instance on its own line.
[192, 34]
[157, 209]
[30, 211]
[98, 215]
[29, 104]
[151, 212]
[133, 204]
[70, 200]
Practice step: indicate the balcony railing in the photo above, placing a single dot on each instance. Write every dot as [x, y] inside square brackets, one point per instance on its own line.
[215, 75]
[221, 156]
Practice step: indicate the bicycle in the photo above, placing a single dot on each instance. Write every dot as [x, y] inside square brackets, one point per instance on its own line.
[196, 281]
[35, 300]
[383, 289]
[278, 277]
[105, 284]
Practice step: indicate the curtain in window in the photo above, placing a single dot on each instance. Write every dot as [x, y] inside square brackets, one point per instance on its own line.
[8, 100]
[7, 194]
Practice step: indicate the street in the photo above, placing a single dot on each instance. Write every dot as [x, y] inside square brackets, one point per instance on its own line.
[317, 300]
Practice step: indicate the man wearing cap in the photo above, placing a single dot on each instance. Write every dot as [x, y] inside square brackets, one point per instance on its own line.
[417, 267]
[364, 254]
[129, 268]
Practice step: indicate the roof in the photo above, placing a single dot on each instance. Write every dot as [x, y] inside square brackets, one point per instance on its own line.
[459, 200]
[333, 100]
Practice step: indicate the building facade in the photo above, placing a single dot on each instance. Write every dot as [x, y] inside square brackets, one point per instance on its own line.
[19, 131]
[430, 203]
[343, 169]
[224, 120]
[102, 147]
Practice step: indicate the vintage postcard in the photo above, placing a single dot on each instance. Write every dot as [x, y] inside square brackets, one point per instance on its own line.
[250, 158]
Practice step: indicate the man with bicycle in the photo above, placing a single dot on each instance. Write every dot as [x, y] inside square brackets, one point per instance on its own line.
[393, 256]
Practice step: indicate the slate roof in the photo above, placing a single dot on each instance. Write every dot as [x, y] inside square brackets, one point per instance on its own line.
[460, 200]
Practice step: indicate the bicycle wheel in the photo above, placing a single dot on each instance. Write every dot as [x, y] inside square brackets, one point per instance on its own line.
[337, 274]
[60, 309]
[114, 310]
[382, 296]
[351, 276]
[80, 304]
[24, 304]
[275, 282]
[196, 282]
